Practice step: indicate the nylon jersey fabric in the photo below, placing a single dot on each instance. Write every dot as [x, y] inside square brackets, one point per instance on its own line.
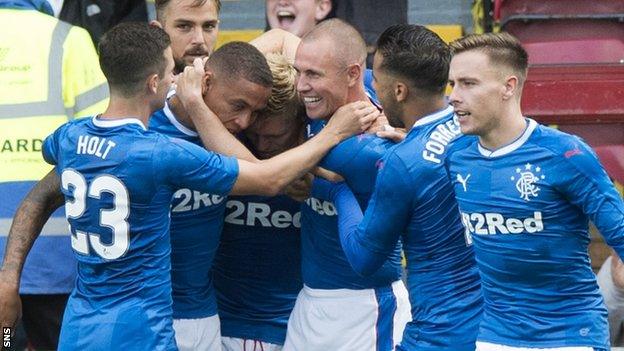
[196, 224]
[257, 269]
[526, 208]
[118, 179]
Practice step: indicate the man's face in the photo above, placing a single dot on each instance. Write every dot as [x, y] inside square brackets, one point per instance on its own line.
[478, 86]
[165, 82]
[295, 16]
[384, 86]
[193, 30]
[322, 84]
[236, 101]
[272, 135]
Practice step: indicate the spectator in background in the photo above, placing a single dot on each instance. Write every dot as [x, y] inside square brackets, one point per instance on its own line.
[297, 16]
[50, 74]
[369, 17]
[611, 282]
[192, 25]
[98, 16]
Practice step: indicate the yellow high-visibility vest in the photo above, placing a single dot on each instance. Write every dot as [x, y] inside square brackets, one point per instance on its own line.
[49, 74]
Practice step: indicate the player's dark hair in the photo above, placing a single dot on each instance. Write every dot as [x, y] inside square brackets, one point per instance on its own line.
[237, 60]
[416, 54]
[502, 49]
[161, 5]
[130, 52]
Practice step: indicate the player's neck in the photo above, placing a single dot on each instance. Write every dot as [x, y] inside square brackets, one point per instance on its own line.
[357, 94]
[419, 108]
[120, 107]
[510, 128]
[180, 113]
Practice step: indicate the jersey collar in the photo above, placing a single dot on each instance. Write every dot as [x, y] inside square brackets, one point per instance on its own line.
[434, 116]
[111, 123]
[514, 145]
[173, 120]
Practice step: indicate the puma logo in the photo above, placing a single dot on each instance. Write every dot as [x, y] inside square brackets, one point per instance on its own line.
[463, 180]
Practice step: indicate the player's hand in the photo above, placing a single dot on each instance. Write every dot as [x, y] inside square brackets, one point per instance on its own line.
[10, 303]
[300, 189]
[380, 124]
[395, 134]
[189, 83]
[353, 118]
[617, 271]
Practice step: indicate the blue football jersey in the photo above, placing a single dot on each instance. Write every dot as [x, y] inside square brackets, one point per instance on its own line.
[526, 208]
[324, 264]
[257, 270]
[118, 179]
[196, 224]
[414, 197]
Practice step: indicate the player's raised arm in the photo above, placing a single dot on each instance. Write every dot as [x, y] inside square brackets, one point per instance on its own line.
[277, 41]
[30, 217]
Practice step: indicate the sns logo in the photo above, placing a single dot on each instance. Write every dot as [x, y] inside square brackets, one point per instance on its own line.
[495, 223]
[193, 200]
[526, 180]
[260, 214]
[324, 208]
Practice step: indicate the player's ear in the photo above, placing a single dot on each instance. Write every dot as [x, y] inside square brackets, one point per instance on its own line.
[511, 87]
[152, 83]
[155, 23]
[323, 8]
[207, 82]
[354, 72]
[401, 91]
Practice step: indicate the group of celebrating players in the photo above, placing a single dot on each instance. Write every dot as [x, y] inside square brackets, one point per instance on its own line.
[262, 202]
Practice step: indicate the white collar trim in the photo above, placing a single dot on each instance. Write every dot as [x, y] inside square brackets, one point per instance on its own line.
[434, 116]
[514, 145]
[111, 123]
[172, 118]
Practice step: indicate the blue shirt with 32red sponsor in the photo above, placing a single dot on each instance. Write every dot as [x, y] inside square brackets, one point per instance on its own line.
[257, 270]
[413, 201]
[526, 207]
[324, 264]
[196, 224]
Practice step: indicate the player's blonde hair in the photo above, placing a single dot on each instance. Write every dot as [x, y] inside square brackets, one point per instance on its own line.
[283, 97]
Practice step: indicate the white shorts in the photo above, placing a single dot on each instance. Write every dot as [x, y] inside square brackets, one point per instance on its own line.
[203, 334]
[347, 320]
[237, 344]
[486, 346]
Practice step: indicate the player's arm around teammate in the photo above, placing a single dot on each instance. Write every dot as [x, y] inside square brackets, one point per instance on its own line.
[267, 178]
[348, 120]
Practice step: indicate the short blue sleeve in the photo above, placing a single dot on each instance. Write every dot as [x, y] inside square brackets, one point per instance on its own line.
[51, 145]
[185, 165]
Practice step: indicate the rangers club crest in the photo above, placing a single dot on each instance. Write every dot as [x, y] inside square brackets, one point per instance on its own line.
[526, 180]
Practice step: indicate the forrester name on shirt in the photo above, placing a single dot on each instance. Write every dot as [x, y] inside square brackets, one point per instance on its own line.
[439, 140]
[495, 223]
